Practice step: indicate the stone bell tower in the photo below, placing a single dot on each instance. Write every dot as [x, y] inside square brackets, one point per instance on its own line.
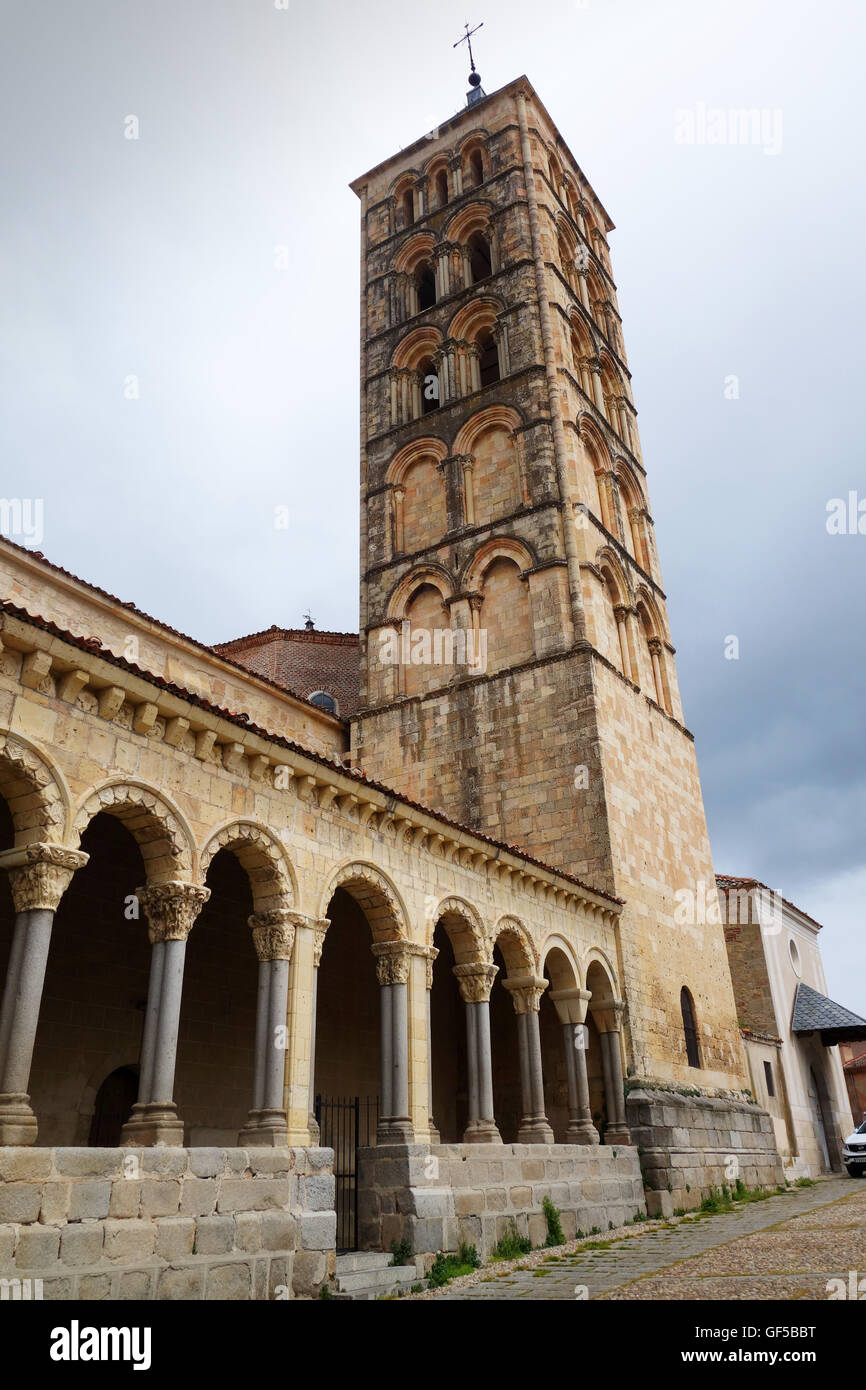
[517, 666]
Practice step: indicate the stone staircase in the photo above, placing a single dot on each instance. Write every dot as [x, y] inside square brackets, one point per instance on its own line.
[369, 1274]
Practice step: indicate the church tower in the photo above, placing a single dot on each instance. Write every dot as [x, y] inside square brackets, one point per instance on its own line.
[517, 667]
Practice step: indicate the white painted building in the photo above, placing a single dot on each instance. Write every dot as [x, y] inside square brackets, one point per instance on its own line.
[790, 1028]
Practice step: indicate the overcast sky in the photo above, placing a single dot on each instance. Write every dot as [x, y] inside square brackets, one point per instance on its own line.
[158, 258]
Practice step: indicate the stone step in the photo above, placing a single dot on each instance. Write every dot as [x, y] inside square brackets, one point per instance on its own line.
[371, 1283]
[362, 1259]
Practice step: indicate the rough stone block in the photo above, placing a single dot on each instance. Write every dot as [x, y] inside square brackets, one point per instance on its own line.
[229, 1282]
[24, 1164]
[207, 1163]
[55, 1202]
[20, 1201]
[318, 1192]
[81, 1243]
[57, 1289]
[89, 1163]
[160, 1197]
[532, 1170]
[136, 1284]
[164, 1162]
[248, 1231]
[253, 1194]
[278, 1230]
[175, 1236]
[37, 1246]
[214, 1235]
[125, 1198]
[94, 1288]
[198, 1196]
[129, 1240]
[89, 1201]
[309, 1271]
[317, 1230]
[181, 1285]
[468, 1203]
[8, 1236]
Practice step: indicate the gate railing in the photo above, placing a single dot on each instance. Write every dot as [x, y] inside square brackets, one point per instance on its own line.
[347, 1124]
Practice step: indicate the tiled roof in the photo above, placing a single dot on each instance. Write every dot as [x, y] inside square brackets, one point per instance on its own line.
[164, 627]
[726, 881]
[303, 660]
[243, 721]
[815, 1013]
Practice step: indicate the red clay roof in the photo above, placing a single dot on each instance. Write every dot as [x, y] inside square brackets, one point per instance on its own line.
[726, 881]
[92, 644]
[165, 627]
[304, 659]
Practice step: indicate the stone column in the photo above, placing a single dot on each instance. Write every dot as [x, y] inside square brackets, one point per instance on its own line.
[526, 992]
[273, 937]
[571, 1006]
[621, 614]
[320, 928]
[392, 972]
[655, 651]
[608, 1021]
[171, 910]
[38, 876]
[430, 953]
[475, 981]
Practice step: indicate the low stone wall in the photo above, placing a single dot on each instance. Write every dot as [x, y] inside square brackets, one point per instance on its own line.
[437, 1196]
[168, 1223]
[689, 1144]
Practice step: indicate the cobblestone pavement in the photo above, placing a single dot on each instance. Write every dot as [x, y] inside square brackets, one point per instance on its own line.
[787, 1246]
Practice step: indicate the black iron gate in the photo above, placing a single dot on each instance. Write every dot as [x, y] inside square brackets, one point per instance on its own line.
[347, 1124]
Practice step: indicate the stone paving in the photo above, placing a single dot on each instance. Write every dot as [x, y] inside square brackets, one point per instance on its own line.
[787, 1246]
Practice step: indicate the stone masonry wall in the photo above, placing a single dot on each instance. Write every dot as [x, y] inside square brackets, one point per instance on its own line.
[687, 1144]
[168, 1223]
[437, 1197]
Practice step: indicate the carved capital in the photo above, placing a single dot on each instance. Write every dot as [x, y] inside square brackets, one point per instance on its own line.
[570, 1004]
[392, 961]
[655, 646]
[475, 981]
[171, 909]
[608, 1017]
[40, 874]
[526, 992]
[273, 933]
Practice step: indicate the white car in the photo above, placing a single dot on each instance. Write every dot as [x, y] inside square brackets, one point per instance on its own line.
[854, 1152]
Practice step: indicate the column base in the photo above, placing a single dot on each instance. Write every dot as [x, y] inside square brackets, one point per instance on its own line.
[535, 1130]
[18, 1123]
[434, 1132]
[482, 1132]
[582, 1132]
[395, 1130]
[265, 1129]
[156, 1124]
[315, 1132]
[619, 1134]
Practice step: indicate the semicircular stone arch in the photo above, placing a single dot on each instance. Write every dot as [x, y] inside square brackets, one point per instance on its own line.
[376, 896]
[465, 930]
[515, 945]
[262, 858]
[34, 791]
[163, 837]
[558, 962]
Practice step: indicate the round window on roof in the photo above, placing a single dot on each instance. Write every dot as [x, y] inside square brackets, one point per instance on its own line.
[323, 700]
[794, 956]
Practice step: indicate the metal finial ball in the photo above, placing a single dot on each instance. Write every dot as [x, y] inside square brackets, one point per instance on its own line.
[475, 79]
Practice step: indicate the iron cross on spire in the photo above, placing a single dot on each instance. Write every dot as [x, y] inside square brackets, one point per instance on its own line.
[467, 39]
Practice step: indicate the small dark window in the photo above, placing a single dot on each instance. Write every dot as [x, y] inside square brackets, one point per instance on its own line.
[426, 283]
[489, 361]
[768, 1077]
[476, 168]
[408, 208]
[479, 257]
[324, 701]
[442, 188]
[114, 1100]
[690, 1028]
